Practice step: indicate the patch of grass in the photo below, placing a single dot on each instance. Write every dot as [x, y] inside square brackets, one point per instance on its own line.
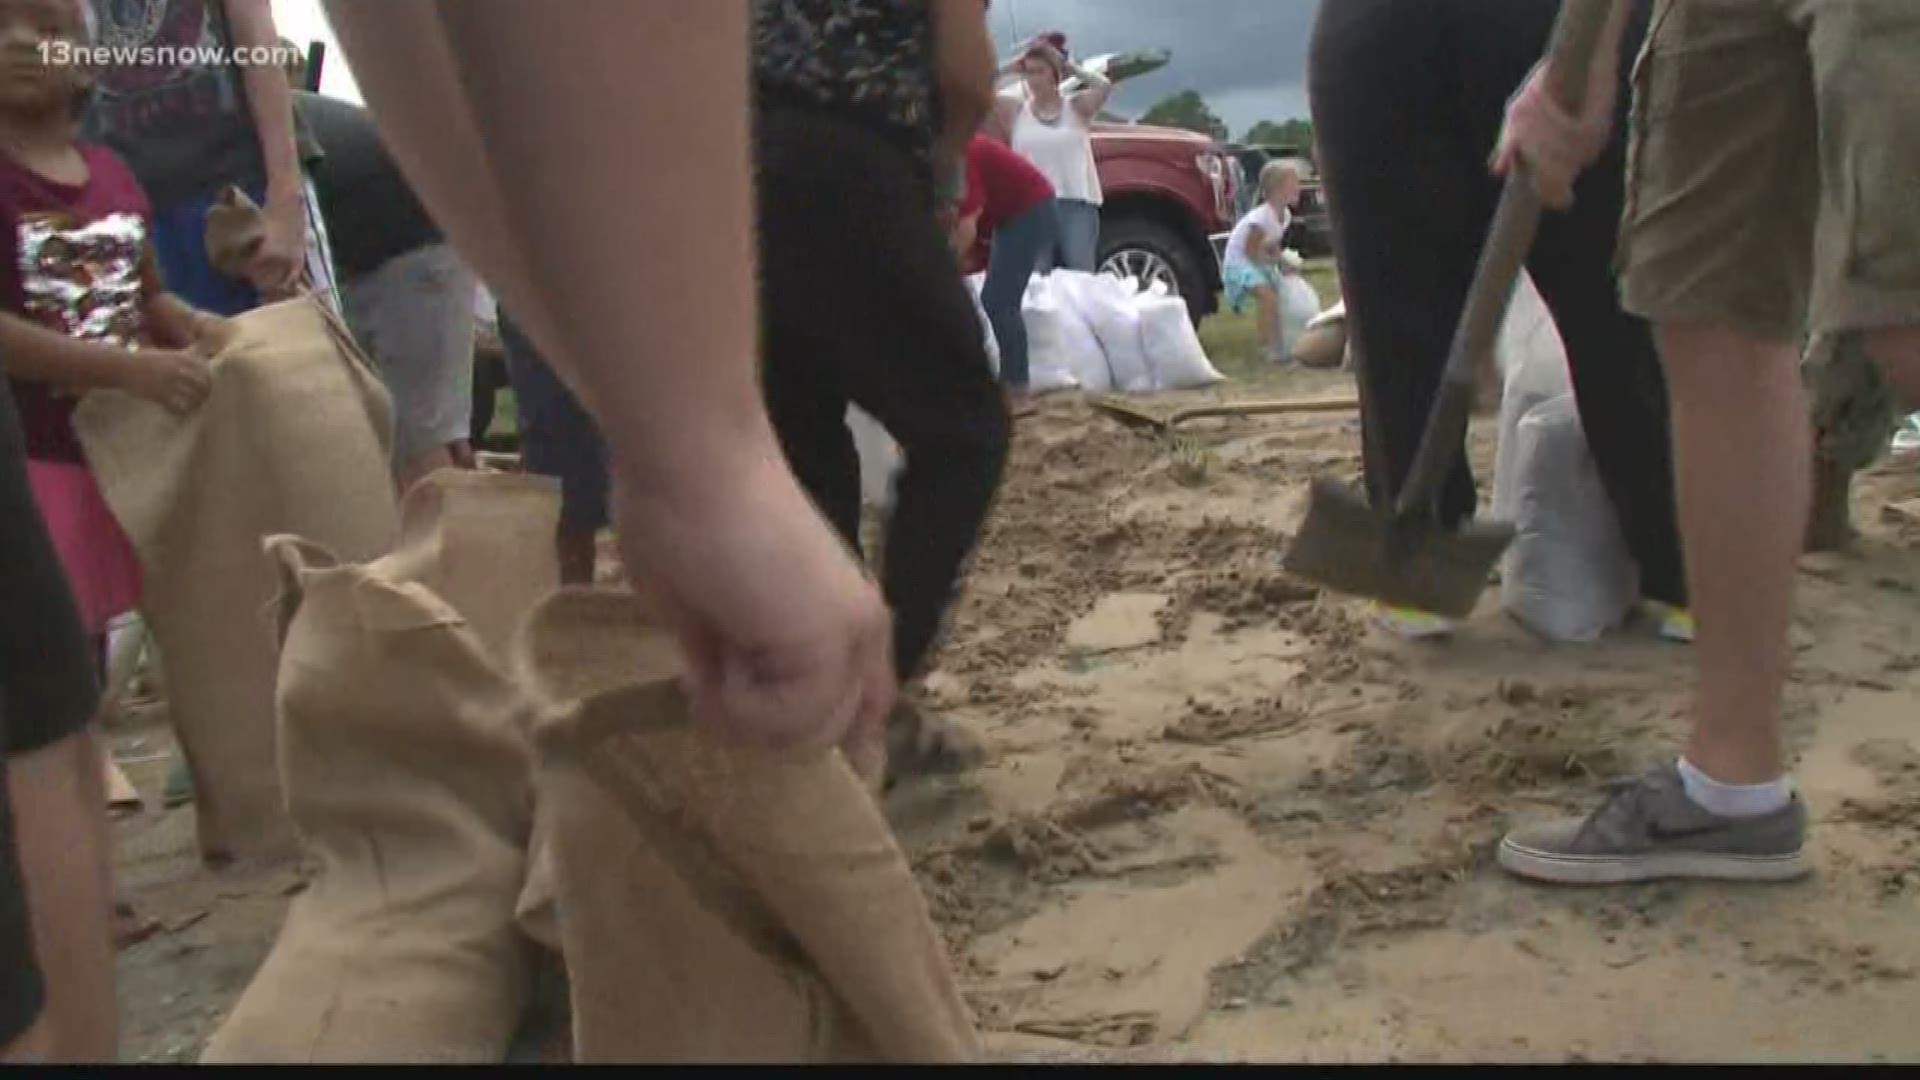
[1192, 461]
[1233, 340]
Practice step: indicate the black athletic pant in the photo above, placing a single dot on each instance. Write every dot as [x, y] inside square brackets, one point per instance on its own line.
[862, 301]
[1408, 97]
[48, 691]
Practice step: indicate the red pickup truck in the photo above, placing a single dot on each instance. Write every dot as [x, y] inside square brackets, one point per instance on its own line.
[1168, 194]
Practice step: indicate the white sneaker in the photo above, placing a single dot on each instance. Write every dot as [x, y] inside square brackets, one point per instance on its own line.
[1412, 623]
[1675, 623]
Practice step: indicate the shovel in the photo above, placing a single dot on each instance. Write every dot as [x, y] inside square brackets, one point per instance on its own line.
[1400, 555]
[1128, 413]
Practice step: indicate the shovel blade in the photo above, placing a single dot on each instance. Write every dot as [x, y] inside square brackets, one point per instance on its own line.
[1344, 545]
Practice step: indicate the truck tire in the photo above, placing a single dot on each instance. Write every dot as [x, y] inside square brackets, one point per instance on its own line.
[1145, 248]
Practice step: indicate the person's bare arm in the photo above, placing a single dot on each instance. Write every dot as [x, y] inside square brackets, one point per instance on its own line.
[60, 831]
[31, 351]
[1099, 90]
[966, 230]
[998, 125]
[591, 162]
[964, 66]
[175, 324]
[270, 101]
[1558, 145]
[172, 323]
[173, 378]
[545, 162]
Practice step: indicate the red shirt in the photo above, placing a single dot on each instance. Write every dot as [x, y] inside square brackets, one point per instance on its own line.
[70, 259]
[1001, 184]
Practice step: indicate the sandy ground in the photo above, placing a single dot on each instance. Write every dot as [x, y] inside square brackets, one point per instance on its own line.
[1223, 817]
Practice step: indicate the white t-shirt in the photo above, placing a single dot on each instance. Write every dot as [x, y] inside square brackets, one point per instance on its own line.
[1062, 151]
[1273, 225]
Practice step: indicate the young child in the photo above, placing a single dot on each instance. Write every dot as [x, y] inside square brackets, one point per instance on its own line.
[81, 303]
[1253, 260]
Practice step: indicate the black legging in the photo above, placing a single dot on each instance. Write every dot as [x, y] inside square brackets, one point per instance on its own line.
[862, 301]
[1408, 97]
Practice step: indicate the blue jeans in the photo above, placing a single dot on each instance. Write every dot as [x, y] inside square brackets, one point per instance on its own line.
[1018, 246]
[1078, 247]
[557, 436]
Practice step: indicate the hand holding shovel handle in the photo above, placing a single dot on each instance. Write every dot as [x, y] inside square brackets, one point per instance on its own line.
[1576, 35]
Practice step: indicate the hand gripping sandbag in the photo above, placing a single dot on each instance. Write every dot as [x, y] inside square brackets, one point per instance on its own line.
[717, 903]
[292, 439]
[403, 755]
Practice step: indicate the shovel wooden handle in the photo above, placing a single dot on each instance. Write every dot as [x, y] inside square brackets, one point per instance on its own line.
[1127, 411]
[1570, 55]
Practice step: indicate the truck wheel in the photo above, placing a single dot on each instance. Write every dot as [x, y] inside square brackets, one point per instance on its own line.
[1150, 251]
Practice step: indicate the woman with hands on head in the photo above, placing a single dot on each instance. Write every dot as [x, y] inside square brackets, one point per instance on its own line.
[1054, 130]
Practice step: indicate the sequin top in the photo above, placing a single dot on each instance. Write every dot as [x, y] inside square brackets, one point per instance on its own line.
[70, 260]
[871, 60]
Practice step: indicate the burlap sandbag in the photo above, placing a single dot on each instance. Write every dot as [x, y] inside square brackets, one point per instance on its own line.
[717, 903]
[292, 439]
[402, 751]
[1323, 346]
[483, 542]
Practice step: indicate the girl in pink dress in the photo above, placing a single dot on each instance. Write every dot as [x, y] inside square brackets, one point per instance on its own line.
[81, 303]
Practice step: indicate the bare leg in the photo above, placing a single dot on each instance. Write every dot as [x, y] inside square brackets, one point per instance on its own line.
[1267, 306]
[1742, 454]
[59, 813]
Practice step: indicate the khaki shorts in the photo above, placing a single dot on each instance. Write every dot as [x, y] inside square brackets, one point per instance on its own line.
[1773, 179]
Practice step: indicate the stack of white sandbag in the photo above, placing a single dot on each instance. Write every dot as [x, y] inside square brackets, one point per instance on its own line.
[1062, 351]
[1098, 332]
[1568, 575]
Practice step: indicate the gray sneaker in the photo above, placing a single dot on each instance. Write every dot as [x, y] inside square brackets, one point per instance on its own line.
[1648, 829]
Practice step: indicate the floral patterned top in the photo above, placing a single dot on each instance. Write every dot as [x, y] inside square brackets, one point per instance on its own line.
[872, 60]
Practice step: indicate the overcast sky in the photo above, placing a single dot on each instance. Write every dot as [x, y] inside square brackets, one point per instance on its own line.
[1246, 56]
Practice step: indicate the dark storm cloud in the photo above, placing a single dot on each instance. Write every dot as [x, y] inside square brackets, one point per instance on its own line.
[1247, 57]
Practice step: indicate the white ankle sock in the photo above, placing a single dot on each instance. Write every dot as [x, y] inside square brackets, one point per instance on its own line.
[1734, 800]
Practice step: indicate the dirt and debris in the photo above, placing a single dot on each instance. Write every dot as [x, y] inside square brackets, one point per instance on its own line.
[1235, 821]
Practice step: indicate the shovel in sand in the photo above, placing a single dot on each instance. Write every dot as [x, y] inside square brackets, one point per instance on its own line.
[1400, 555]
